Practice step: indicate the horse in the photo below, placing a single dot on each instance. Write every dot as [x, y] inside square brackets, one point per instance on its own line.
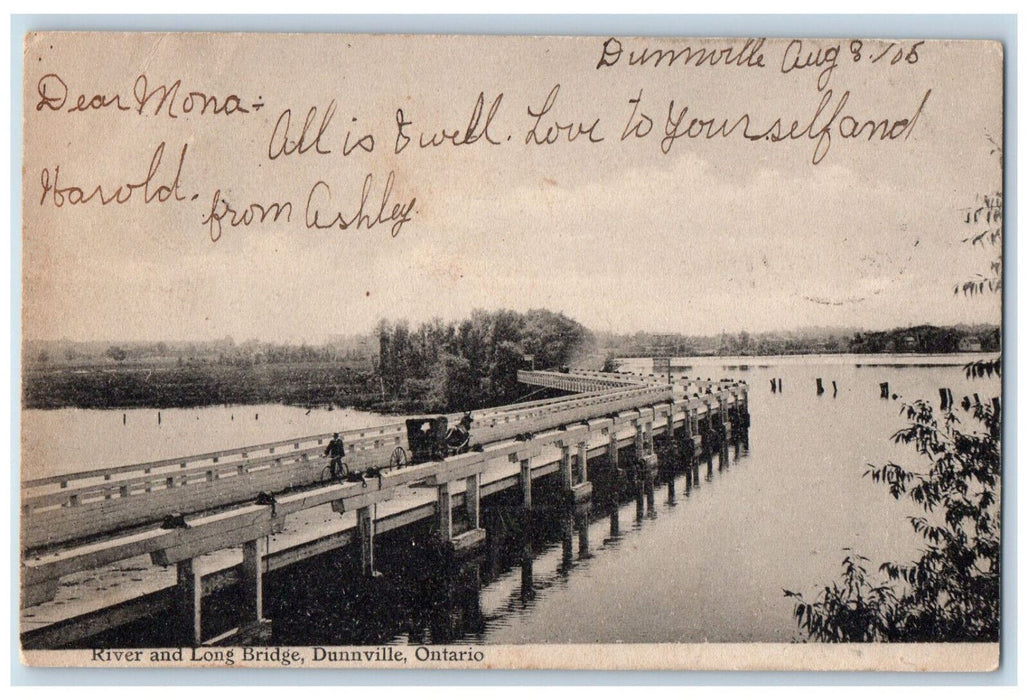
[458, 436]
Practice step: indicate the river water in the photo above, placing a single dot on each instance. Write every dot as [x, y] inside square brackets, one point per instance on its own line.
[696, 562]
[713, 566]
[67, 440]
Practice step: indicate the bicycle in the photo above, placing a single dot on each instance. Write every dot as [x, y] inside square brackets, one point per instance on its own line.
[335, 471]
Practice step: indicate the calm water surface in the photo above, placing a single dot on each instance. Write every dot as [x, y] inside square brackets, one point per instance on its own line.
[693, 563]
[712, 566]
[98, 438]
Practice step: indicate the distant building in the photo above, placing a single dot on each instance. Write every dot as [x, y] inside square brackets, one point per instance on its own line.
[969, 344]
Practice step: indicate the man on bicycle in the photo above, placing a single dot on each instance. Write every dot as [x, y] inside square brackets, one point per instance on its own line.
[337, 451]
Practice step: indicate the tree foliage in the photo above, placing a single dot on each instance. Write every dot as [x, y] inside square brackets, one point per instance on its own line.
[471, 363]
[984, 223]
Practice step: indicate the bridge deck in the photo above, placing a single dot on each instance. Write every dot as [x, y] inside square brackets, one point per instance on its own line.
[70, 591]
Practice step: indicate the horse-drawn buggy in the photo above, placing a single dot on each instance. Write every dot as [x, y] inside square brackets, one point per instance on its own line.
[429, 439]
[433, 438]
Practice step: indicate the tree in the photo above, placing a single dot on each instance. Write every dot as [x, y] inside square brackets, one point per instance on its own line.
[474, 362]
[116, 353]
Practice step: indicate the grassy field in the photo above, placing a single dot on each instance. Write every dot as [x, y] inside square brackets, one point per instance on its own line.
[163, 386]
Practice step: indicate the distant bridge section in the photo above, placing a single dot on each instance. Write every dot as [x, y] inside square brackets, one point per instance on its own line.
[578, 382]
[583, 380]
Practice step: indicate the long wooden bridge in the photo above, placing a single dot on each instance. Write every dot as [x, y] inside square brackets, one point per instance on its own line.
[196, 525]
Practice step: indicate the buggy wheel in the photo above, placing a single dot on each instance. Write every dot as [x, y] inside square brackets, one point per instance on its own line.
[398, 458]
[326, 475]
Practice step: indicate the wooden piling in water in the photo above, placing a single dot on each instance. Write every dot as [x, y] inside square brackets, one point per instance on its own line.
[189, 603]
[444, 508]
[583, 463]
[582, 523]
[473, 499]
[566, 477]
[526, 483]
[366, 538]
[251, 583]
[567, 540]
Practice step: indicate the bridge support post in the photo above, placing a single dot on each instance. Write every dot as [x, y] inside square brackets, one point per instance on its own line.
[647, 460]
[671, 455]
[445, 511]
[583, 462]
[473, 499]
[651, 499]
[582, 488]
[252, 583]
[567, 540]
[640, 500]
[708, 430]
[253, 627]
[567, 480]
[688, 448]
[612, 448]
[582, 525]
[475, 535]
[189, 601]
[615, 524]
[366, 536]
[526, 483]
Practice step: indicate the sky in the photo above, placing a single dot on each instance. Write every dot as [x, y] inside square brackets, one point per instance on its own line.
[715, 235]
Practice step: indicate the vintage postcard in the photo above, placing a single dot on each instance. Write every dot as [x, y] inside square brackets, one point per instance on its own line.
[614, 352]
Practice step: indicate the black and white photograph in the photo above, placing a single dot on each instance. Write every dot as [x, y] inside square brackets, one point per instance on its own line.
[511, 352]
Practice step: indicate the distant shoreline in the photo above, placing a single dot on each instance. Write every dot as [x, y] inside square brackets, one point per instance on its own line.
[322, 384]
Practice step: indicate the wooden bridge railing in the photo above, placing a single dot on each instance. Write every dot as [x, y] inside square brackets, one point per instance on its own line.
[356, 441]
[576, 381]
[56, 510]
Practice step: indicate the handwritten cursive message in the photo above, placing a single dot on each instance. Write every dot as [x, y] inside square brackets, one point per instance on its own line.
[351, 162]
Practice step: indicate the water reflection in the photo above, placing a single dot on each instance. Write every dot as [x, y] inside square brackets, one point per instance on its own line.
[615, 527]
[429, 595]
[582, 524]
